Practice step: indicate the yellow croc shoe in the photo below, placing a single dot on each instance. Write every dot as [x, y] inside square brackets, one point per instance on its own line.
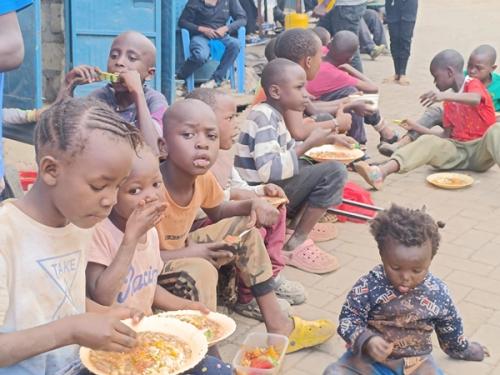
[309, 333]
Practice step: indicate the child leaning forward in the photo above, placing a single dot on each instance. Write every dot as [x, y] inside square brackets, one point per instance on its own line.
[390, 313]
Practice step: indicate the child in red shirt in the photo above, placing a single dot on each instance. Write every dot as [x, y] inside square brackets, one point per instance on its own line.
[469, 139]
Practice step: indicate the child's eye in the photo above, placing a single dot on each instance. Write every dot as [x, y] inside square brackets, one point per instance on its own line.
[134, 191]
[395, 268]
[97, 188]
[417, 271]
[157, 185]
[212, 137]
[188, 135]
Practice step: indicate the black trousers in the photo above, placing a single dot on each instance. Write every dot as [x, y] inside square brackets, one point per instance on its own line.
[401, 16]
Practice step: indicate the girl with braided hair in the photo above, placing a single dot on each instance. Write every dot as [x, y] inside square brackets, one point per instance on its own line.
[84, 152]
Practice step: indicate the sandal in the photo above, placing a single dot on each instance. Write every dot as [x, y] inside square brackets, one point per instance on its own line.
[291, 291]
[310, 258]
[323, 231]
[251, 309]
[370, 173]
[309, 333]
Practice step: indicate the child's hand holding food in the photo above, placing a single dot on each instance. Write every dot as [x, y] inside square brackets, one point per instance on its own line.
[272, 190]
[346, 141]
[145, 216]
[344, 120]
[214, 252]
[263, 213]
[132, 81]
[378, 349]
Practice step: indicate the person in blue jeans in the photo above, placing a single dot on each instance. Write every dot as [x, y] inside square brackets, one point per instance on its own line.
[11, 54]
[206, 20]
[400, 17]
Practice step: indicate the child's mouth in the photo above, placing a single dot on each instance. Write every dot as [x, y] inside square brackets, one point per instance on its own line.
[201, 163]
[403, 289]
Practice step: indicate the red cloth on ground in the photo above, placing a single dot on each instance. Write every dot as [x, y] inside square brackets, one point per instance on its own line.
[356, 193]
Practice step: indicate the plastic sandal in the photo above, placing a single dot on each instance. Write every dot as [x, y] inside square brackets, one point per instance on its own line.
[251, 309]
[322, 232]
[309, 333]
[310, 258]
[291, 291]
[371, 174]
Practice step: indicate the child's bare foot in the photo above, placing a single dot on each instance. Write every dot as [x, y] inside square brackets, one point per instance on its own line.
[391, 79]
[371, 174]
[404, 81]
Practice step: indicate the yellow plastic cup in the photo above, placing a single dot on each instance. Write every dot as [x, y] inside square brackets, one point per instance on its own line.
[296, 21]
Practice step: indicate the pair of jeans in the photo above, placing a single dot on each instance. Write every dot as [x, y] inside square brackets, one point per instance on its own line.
[356, 364]
[401, 16]
[345, 17]
[371, 32]
[200, 53]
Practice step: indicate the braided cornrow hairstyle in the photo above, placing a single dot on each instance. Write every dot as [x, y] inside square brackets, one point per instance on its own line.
[406, 226]
[63, 125]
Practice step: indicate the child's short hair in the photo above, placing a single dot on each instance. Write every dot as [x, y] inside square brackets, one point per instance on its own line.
[406, 226]
[344, 41]
[270, 50]
[296, 44]
[275, 73]
[487, 51]
[206, 95]
[449, 58]
[62, 126]
[323, 34]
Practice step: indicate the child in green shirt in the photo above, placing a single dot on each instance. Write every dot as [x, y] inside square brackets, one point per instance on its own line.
[481, 65]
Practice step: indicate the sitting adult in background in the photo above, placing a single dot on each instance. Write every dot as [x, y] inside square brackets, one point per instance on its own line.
[371, 34]
[205, 20]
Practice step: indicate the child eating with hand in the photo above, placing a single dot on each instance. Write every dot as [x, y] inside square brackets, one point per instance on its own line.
[235, 188]
[132, 57]
[469, 139]
[390, 313]
[190, 147]
[124, 256]
[267, 153]
[84, 151]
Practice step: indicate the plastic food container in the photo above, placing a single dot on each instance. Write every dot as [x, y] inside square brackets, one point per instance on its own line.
[261, 340]
[296, 21]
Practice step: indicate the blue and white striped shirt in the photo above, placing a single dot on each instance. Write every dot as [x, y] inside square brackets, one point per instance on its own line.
[265, 151]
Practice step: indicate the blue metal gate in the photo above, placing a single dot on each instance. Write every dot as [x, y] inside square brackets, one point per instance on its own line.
[23, 86]
[93, 24]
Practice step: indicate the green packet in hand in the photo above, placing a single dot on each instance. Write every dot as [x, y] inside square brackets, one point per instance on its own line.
[111, 77]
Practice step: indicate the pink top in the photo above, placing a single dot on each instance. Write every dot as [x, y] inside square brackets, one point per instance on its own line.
[139, 286]
[329, 79]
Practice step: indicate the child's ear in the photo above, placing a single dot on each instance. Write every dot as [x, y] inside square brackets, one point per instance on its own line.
[275, 92]
[162, 148]
[49, 170]
[306, 62]
[494, 67]
[151, 73]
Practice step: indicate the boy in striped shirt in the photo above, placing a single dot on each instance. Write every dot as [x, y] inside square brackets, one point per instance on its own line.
[266, 152]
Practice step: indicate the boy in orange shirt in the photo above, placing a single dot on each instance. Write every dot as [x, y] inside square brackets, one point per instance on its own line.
[190, 146]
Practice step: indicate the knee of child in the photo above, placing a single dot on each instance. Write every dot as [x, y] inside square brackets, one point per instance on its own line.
[494, 131]
[207, 273]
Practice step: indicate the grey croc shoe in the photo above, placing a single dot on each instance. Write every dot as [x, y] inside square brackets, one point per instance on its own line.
[292, 291]
[251, 309]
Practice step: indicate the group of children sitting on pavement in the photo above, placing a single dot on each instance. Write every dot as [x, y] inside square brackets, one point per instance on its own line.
[112, 227]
